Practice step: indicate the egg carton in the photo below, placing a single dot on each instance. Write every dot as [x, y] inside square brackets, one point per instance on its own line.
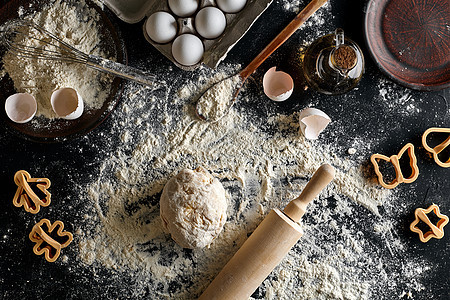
[215, 50]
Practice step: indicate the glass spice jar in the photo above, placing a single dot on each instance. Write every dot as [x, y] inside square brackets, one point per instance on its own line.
[333, 64]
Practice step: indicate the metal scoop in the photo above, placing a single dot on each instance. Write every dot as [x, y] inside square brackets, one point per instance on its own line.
[210, 108]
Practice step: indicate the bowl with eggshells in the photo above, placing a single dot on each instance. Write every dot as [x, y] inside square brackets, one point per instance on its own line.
[38, 121]
[192, 32]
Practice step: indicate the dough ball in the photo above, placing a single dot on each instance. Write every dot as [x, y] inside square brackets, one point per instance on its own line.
[193, 208]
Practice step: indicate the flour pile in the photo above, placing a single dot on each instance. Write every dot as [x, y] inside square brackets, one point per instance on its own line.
[76, 25]
[217, 100]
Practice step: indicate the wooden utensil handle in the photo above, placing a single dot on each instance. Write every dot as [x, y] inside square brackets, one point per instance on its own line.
[282, 36]
[256, 258]
[321, 178]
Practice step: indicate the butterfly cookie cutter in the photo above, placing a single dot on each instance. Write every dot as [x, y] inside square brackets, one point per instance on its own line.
[439, 148]
[26, 197]
[436, 231]
[395, 160]
[48, 241]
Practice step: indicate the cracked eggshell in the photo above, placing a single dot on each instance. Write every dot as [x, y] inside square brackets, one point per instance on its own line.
[67, 103]
[312, 122]
[278, 85]
[21, 107]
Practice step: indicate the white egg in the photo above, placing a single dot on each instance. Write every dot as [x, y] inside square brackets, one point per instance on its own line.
[21, 107]
[210, 22]
[161, 27]
[67, 103]
[231, 6]
[183, 8]
[187, 49]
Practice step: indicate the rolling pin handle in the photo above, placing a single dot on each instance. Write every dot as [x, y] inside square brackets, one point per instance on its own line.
[321, 178]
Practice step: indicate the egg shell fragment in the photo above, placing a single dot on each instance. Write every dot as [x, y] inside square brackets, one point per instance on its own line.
[187, 49]
[20, 107]
[161, 27]
[210, 22]
[278, 85]
[67, 103]
[312, 122]
[183, 8]
[231, 6]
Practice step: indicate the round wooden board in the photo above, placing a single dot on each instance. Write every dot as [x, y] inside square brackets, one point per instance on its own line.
[410, 41]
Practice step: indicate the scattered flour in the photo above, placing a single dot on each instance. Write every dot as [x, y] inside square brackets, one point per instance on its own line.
[293, 5]
[397, 98]
[262, 163]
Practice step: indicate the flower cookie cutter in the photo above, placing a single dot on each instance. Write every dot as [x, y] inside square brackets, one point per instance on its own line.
[436, 231]
[395, 160]
[26, 197]
[439, 148]
[50, 238]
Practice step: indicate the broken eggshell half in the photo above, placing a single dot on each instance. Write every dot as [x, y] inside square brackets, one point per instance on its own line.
[312, 122]
[20, 107]
[278, 85]
[67, 103]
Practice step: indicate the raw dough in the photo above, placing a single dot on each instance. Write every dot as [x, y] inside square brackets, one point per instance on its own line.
[193, 208]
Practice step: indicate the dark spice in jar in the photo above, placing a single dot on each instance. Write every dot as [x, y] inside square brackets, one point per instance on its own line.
[344, 57]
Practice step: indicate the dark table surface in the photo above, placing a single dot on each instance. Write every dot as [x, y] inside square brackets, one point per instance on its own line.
[354, 114]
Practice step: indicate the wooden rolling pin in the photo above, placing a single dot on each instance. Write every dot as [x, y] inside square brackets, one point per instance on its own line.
[267, 245]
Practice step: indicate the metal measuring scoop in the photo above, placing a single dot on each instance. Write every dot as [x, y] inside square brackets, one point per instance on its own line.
[213, 104]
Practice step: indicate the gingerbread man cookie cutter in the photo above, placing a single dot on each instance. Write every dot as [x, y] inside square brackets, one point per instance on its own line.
[439, 148]
[26, 197]
[48, 242]
[436, 231]
[395, 160]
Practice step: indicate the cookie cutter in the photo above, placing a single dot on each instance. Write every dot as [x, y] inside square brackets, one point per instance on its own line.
[439, 148]
[436, 231]
[26, 197]
[395, 160]
[52, 248]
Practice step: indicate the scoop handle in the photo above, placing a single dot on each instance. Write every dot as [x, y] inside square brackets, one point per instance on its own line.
[321, 178]
[308, 11]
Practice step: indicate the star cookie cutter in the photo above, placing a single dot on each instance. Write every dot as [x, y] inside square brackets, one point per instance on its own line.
[26, 197]
[50, 238]
[395, 160]
[436, 231]
[439, 148]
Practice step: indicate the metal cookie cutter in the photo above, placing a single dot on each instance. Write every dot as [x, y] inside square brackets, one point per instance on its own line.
[436, 231]
[395, 160]
[26, 197]
[48, 241]
[439, 148]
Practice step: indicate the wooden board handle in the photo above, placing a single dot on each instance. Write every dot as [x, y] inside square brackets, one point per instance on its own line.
[321, 178]
[310, 9]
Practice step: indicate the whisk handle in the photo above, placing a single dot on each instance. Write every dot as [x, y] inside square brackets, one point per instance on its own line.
[123, 71]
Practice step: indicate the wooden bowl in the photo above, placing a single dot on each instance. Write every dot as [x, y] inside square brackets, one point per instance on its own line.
[410, 41]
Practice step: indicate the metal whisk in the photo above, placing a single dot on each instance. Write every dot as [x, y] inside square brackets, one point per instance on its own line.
[27, 39]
